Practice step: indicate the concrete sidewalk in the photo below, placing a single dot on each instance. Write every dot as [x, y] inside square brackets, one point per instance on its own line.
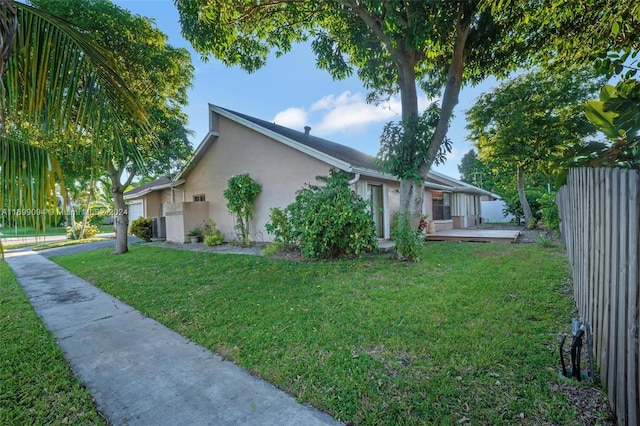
[140, 372]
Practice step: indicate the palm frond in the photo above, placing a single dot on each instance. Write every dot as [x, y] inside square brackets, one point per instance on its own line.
[28, 178]
[59, 79]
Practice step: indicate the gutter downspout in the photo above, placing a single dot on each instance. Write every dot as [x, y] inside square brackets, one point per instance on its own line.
[355, 179]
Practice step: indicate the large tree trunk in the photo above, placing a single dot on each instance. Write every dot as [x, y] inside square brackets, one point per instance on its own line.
[121, 210]
[528, 216]
[411, 192]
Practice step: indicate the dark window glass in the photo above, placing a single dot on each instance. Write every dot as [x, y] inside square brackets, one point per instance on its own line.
[441, 206]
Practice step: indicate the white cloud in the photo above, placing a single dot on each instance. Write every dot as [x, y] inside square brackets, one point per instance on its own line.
[350, 113]
[295, 118]
[344, 113]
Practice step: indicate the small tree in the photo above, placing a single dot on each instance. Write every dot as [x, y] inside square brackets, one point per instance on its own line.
[529, 121]
[241, 194]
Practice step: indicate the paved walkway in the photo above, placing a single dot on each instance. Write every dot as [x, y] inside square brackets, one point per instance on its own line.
[140, 372]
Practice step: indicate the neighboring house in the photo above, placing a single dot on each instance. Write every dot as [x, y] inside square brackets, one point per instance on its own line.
[283, 160]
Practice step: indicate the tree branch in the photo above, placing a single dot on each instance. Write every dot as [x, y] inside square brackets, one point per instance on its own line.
[397, 53]
[454, 82]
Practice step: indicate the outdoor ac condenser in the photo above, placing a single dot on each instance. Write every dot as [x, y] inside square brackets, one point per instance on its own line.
[158, 227]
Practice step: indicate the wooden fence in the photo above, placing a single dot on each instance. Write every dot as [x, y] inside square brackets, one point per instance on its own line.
[600, 213]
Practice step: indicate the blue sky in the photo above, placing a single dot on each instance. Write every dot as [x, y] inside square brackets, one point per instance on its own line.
[292, 92]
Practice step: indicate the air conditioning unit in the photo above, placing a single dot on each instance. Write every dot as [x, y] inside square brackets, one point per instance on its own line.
[159, 227]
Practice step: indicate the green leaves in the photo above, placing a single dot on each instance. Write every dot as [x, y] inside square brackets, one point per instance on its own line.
[326, 221]
[617, 115]
[60, 79]
[28, 177]
[530, 119]
[241, 194]
[404, 146]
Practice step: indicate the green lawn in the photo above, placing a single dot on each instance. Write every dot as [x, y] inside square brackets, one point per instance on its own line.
[11, 232]
[36, 385]
[468, 335]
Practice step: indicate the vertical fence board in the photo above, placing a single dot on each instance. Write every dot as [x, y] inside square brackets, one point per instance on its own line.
[598, 320]
[613, 291]
[632, 360]
[592, 253]
[622, 306]
[584, 256]
[606, 317]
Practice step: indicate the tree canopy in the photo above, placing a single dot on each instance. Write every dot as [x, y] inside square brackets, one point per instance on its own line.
[604, 32]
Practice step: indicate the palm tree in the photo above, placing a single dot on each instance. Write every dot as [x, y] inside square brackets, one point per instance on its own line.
[60, 83]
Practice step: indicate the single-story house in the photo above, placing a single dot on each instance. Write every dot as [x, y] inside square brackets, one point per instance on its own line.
[283, 160]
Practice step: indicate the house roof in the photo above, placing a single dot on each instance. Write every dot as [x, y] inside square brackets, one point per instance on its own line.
[335, 154]
[160, 183]
[458, 185]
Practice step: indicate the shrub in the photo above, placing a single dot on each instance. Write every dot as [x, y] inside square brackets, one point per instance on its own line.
[329, 221]
[212, 235]
[241, 194]
[89, 231]
[280, 226]
[142, 228]
[548, 212]
[273, 248]
[407, 241]
[98, 219]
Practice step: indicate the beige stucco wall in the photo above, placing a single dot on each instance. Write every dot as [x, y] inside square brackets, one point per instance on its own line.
[281, 170]
[182, 217]
[153, 202]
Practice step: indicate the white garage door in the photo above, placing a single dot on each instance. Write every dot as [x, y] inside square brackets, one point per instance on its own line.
[136, 210]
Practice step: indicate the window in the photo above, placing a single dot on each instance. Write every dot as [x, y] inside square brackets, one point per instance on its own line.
[198, 197]
[441, 205]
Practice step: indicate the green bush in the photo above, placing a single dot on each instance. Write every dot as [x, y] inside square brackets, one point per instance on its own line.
[407, 241]
[280, 226]
[212, 235]
[241, 194]
[89, 231]
[513, 206]
[329, 221]
[548, 212]
[142, 228]
[273, 248]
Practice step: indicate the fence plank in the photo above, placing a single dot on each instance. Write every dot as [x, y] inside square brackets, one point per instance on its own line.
[598, 319]
[632, 357]
[606, 325]
[623, 287]
[613, 290]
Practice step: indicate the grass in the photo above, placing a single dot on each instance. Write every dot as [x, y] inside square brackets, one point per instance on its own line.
[11, 232]
[36, 385]
[467, 336]
[66, 243]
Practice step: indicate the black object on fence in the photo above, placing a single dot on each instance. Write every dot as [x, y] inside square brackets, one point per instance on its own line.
[578, 330]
